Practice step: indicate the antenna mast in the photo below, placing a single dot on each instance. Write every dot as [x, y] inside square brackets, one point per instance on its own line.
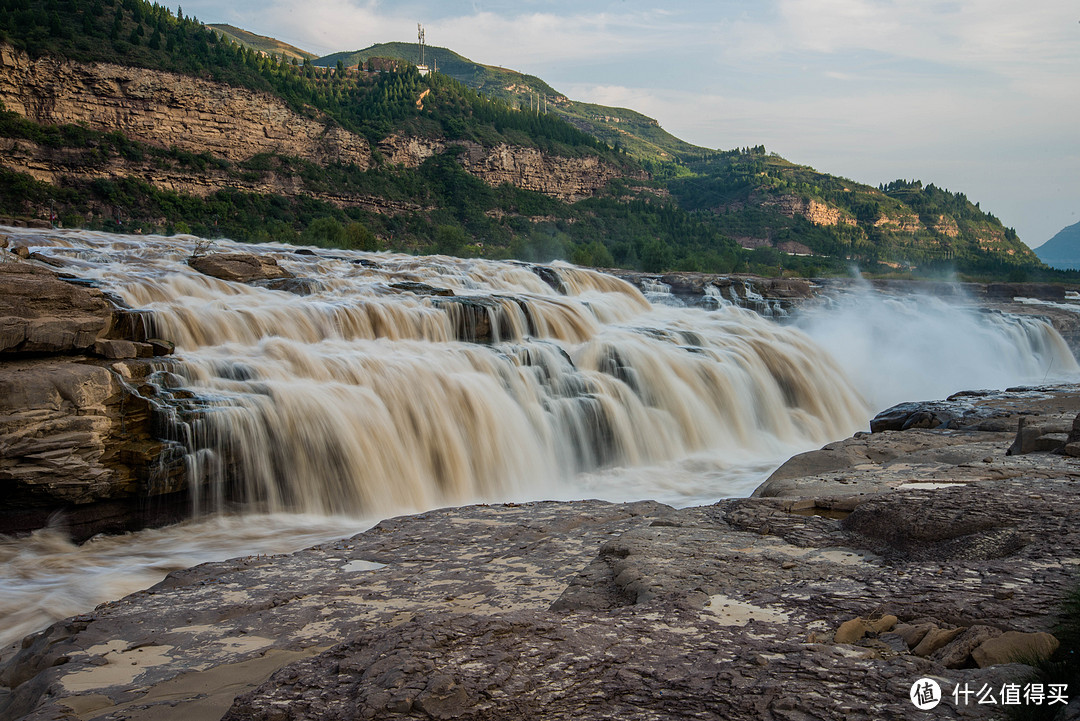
[420, 38]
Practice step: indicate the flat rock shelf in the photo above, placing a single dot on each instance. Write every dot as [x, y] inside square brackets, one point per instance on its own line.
[559, 610]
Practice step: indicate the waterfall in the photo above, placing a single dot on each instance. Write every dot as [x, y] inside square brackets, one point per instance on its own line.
[906, 348]
[389, 383]
[395, 383]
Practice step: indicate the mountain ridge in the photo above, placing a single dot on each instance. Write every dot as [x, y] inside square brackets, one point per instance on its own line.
[1063, 250]
[641, 135]
[262, 43]
[442, 166]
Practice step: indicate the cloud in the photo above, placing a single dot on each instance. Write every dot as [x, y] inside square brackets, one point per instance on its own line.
[1019, 41]
[974, 94]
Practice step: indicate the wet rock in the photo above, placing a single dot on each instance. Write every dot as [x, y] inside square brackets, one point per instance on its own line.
[40, 313]
[116, 349]
[74, 437]
[1014, 646]
[161, 347]
[420, 288]
[296, 286]
[957, 653]
[550, 276]
[934, 639]
[72, 434]
[239, 267]
[958, 411]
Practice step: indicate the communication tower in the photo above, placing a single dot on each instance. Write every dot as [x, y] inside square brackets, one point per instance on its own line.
[422, 67]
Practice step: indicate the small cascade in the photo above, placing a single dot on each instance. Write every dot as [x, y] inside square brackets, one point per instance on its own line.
[713, 298]
[899, 348]
[659, 293]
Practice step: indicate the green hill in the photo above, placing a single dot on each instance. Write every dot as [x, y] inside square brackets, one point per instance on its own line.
[1063, 250]
[638, 134]
[261, 42]
[763, 200]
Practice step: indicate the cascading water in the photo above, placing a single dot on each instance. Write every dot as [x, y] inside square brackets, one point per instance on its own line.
[395, 384]
[381, 391]
[898, 349]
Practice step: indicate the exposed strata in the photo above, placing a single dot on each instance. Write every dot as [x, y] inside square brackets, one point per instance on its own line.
[75, 433]
[200, 116]
[169, 109]
[816, 212]
[569, 179]
[54, 165]
[758, 608]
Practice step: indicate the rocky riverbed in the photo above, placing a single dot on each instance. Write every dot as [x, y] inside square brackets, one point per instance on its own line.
[941, 544]
[929, 551]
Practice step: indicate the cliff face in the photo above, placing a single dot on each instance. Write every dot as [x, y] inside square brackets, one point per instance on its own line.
[74, 433]
[568, 179]
[167, 109]
[51, 165]
[814, 211]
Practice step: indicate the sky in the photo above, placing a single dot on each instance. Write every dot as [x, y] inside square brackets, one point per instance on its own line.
[976, 96]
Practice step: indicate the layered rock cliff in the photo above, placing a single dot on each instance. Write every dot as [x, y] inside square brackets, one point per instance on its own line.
[170, 110]
[76, 435]
[816, 212]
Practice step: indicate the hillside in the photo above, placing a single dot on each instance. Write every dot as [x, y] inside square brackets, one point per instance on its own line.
[1063, 250]
[763, 201]
[639, 134]
[127, 117]
[261, 43]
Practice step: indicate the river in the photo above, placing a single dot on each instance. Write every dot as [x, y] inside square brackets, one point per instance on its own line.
[308, 417]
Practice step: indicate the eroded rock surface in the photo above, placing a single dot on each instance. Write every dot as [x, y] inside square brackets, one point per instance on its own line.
[964, 439]
[239, 267]
[590, 610]
[75, 433]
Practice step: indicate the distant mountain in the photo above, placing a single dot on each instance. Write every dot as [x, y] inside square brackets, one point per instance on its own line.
[261, 42]
[1063, 250]
[638, 134]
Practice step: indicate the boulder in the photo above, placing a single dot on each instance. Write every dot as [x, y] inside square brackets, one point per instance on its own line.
[239, 267]
[1015, 646]
[410, 286]
[913, 633]
[850, 631]
[160, 347]
[957, 653]
[296, 286]
[116, 349]
[1034, 437]
[40, 313]
[934, 639]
